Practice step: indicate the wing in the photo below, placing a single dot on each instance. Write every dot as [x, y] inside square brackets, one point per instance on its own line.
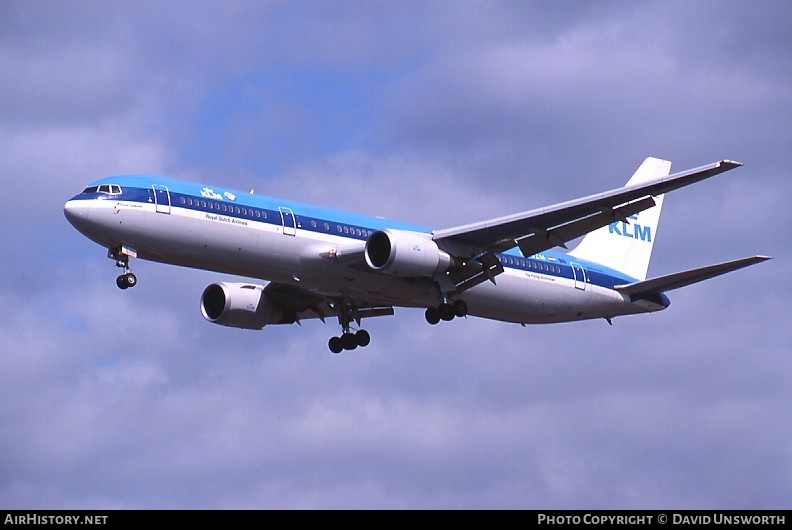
[537, 230]
[304, 304]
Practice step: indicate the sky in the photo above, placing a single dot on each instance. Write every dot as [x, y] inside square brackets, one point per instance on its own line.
[434, 112]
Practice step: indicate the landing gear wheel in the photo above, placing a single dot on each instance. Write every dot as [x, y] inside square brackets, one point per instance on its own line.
[126, 280]
[460, 308]
[363, 338]
[335, 344]
[447, 312]
[432, 315]
[349, 341]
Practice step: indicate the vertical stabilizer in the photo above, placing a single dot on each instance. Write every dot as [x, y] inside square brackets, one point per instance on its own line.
[627, 247]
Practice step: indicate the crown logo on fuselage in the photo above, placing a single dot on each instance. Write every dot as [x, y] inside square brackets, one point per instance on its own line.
[209, 193]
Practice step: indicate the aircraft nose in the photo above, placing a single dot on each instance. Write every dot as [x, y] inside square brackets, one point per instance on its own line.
[76, 213]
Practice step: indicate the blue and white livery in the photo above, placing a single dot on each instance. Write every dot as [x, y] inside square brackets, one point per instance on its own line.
[318, 262]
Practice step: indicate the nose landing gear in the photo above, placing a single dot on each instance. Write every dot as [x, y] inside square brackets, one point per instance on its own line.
[121, 256]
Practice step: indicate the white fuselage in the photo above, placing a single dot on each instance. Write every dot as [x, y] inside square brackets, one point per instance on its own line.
[300, 246]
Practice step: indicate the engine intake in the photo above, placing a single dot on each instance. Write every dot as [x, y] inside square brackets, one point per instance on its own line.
[240, 305]
[403, 253]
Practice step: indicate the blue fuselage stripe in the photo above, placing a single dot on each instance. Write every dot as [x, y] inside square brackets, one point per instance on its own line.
[248, 208]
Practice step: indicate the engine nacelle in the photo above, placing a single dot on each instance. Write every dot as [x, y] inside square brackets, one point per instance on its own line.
[240, 305]
[403, 253]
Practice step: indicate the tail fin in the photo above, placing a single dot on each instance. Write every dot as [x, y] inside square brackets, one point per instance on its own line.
[627, 247]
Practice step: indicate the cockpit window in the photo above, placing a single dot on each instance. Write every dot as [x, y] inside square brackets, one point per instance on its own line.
[110, 189]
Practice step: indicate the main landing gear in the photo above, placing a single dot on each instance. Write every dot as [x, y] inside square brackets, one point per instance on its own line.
[446, 311]
[121, 256]
[348, 340]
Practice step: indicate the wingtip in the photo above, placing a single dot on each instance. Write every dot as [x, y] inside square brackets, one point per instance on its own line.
[732, 163]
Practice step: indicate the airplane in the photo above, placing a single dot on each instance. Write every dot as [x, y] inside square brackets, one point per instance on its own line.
[316, 262]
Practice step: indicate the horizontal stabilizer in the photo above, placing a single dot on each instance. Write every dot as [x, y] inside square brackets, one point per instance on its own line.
[685, 278]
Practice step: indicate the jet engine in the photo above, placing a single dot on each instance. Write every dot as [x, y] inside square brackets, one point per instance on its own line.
[241, 305]
[403, 253]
